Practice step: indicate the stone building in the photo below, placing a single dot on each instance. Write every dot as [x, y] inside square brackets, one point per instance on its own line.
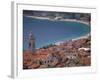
[31, 44]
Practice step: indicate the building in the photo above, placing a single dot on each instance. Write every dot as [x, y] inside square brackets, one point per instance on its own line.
[31, 44]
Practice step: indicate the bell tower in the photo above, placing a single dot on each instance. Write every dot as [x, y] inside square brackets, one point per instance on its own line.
[31, 44]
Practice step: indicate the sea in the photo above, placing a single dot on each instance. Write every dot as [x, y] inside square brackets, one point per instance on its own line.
[48, 32]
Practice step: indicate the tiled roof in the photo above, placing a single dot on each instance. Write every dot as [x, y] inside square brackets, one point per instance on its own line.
[34, 66]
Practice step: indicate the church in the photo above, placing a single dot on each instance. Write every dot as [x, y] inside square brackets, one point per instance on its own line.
[31, 44]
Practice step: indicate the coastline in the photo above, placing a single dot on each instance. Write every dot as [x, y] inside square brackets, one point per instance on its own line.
[65, 51]
[82, 37]
[55, 19]
[70, 20]
[74, 39]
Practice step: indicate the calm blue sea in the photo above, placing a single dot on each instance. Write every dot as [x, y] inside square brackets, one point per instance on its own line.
[47, 32]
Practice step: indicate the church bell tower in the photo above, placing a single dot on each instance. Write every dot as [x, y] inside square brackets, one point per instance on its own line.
[31, 44]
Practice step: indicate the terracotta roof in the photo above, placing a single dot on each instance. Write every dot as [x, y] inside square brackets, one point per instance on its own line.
[34, 66]
[40, 56]
[85, 60]
[28, 63]
[27, 56]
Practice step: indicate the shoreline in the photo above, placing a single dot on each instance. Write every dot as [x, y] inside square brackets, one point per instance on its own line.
[55, 19]
[82, 37]
[70, 20]
[74, 39]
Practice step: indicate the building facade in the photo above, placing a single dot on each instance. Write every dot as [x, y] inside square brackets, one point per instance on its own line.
[31, 44]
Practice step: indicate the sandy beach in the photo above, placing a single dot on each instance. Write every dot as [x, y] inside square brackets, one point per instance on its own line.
[55, 19]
